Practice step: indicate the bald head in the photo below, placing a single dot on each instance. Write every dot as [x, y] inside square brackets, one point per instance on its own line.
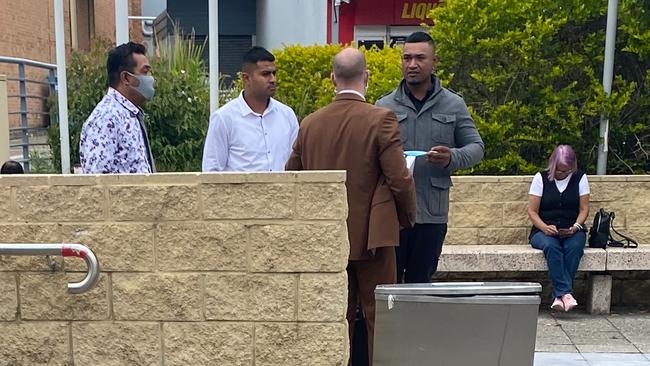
[349, 66]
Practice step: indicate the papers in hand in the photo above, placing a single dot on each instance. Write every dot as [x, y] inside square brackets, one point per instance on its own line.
[410, 157]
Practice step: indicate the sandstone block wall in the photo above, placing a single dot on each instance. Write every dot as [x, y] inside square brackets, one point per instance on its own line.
[492, 210]
[223, 269]
[197, 269]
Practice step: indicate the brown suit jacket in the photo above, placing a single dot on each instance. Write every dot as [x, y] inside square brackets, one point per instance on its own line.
[364, 140]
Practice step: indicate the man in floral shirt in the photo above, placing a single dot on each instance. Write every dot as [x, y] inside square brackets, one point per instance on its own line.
[114, 138]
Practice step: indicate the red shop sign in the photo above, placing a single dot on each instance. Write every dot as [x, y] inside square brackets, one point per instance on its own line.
[389, 12]
[413, 12]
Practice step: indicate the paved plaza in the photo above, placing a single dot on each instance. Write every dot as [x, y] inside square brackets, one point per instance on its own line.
[579, 339]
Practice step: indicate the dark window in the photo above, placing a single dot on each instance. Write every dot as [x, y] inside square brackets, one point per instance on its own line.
[369, 43]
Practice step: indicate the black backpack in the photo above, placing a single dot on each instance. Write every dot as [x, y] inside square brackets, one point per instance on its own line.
[600, 235]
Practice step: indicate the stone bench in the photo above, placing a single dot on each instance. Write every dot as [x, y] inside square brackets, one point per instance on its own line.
[628, 259]
[516, 258]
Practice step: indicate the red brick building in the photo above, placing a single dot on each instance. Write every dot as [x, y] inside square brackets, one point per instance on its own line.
[27, 29]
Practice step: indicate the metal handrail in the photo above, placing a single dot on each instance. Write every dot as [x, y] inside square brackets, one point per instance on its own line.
[65, 250]
[18, 60]
[22, 96]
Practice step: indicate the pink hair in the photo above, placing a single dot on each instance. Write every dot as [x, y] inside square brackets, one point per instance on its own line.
[563, 154]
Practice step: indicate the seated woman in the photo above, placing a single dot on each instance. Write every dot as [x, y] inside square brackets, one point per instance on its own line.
[558, 207]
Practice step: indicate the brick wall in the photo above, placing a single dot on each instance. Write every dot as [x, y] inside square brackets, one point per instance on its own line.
[217, 269]
[492, 210]
[105, 20]
[27, 29]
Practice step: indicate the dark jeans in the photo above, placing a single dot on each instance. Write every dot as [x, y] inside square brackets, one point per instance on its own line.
[563, 258]
[418, 252]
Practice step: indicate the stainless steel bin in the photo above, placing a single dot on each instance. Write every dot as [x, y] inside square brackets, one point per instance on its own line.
[456, 324]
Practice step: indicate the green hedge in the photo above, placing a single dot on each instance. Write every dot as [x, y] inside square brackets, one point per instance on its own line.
[87, 84]
[176, 118]
[304, 75]
[531, 71]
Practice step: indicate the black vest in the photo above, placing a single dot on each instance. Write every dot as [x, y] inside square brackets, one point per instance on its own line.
[559, 209]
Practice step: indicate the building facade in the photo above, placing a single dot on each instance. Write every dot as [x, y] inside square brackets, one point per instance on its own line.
[379, 22]
[27, 29]
[237, 28]
[359, 22]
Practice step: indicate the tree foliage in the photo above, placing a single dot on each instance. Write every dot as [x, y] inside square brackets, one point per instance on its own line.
[176, 117]
[531, 72]
[303, 75]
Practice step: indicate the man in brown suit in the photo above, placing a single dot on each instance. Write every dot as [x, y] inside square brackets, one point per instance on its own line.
[364, 140]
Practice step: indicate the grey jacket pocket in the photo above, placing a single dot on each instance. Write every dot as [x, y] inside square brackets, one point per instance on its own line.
[439, 196]
[441, 182]
[403, 129]
[442, 128]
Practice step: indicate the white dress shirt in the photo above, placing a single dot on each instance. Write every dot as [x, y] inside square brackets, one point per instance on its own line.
[242, 140]
[350, 91]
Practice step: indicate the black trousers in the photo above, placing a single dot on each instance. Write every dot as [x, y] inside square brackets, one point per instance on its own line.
[419, 251]
[359, 355]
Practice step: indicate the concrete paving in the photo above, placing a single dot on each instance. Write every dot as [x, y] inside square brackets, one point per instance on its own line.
[579, 339]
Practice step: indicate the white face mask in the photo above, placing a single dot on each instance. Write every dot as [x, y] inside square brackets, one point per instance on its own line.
[147, 87]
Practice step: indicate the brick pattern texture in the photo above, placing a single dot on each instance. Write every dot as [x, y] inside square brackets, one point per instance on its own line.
[218, 269]
[214, 269]
[492, 210]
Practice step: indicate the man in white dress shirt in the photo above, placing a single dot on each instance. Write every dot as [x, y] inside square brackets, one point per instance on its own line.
[253, 132]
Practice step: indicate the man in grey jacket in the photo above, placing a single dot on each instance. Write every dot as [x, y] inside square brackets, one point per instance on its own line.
[435, 120]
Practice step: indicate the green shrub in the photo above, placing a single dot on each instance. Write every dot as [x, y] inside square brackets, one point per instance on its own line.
[41, 163]
[531, 73]
[304, 75]
[87, 83]
[176, 118]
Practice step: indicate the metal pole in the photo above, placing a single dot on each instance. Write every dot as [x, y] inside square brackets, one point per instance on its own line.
[73, 25]
[64, 134]
[213, 44]
[608, 75]
[121, 21]
[139, 17]
[5, 150]
[335, 21]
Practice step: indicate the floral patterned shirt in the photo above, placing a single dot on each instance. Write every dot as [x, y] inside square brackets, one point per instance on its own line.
[114, 139]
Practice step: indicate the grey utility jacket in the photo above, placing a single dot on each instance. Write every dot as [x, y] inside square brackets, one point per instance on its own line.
[443, 120]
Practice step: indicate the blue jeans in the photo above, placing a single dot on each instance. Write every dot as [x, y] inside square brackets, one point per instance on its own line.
[563, 257]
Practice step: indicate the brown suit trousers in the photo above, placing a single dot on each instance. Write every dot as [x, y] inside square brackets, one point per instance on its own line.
[364, 140]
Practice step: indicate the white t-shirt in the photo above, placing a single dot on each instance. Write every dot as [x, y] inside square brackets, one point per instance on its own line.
[537, 185]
